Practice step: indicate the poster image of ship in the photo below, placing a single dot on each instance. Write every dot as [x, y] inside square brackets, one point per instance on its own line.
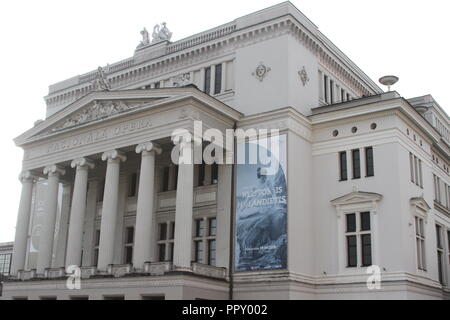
[261, 208]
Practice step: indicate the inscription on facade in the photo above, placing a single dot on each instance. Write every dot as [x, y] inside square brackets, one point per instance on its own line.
[98, 135]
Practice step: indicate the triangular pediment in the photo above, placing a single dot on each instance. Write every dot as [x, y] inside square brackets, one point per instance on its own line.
[104, 105]
[357, 197]
[420, 203]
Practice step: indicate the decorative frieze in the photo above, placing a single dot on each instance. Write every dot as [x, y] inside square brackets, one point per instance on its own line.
[303, 76]
[120, 270]
[99, 110]
[157, 268]
[261, 71]
[209, 271]
[54, 273]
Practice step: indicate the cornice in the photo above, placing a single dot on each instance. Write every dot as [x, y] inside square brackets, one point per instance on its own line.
[130, 72]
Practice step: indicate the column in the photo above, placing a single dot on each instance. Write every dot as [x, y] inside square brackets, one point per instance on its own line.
[50, 208]
[223, 215]
[78, 211]
[183, 211]
[23, 223]
[89, 228]
[144, 212]
[109, 210]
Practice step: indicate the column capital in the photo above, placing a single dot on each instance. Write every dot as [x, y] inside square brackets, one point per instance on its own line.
[82, 162]
[113, 155]
[148, 147]
[26, 176]
[54, 169]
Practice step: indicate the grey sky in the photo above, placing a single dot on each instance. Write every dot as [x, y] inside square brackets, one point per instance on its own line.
[45, 41]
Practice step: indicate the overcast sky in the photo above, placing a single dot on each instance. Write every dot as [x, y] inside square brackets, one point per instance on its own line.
[43, 42]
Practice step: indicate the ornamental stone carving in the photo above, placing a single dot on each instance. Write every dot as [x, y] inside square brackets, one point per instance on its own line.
[303, 76]
[101, 82]
[98, 111]
[113, 155]
[145, 38]
[26, 176]
[161, 33]
[54, 169]
[149, 147]
[182, 80]
[261, 71]
[82, 162]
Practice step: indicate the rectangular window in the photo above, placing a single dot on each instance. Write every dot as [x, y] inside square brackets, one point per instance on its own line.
[172, 230]
[365, 221]
[96, 246]
[351, 222]
[163, 231]
[199, 251]
[356, 164]
[352, 261]
[162, 252]
[440, 253]
[212, 252]
[157, 85]
[101, 191]
[166, 232]
[207, 83]
[129, 242]
[212, 226]
[366, 247]
[165, 179]
[420, 174]
[358, 239]
[411, 166]
[343, 165]
[200, 227]
[369, 162]
[420, 244]
[332, 91]
[342, 95]
[5, 264]
[325, 88]
[348, 97]
[132, 187]
[218, 79]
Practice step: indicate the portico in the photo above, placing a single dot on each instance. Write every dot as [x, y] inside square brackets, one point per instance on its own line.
[113, 149]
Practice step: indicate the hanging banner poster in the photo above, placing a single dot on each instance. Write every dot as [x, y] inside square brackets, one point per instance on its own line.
[261, 205]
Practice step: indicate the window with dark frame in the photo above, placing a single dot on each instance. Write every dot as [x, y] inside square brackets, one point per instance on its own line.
[440, 253]
[96, 246]
[343, 166]
[129, 243]
[132, 186]
[420, 244]
[205, 241]
[207, 81]
[218, 79]
[331, 91]
[166, 232]
[358, 239]
[369, 162]
[356, 164]
[325, 88]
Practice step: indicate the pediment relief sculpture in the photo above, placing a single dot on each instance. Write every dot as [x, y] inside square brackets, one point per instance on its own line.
[99, 110]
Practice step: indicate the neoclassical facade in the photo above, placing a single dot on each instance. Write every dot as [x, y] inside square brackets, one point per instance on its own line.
[367, 174]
